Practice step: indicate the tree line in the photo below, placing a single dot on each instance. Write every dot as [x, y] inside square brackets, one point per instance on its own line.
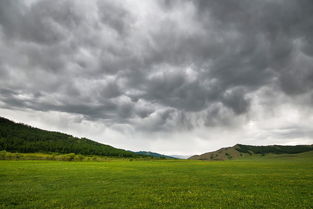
[275, 149]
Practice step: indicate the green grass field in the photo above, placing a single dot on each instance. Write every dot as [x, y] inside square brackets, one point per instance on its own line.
[285, 182]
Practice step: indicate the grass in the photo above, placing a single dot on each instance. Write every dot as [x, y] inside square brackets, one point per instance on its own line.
[252, 183]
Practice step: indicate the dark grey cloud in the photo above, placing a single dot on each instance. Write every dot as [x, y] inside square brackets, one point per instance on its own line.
[155, 66]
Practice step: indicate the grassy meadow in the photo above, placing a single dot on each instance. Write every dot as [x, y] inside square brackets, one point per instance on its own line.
[270, 182]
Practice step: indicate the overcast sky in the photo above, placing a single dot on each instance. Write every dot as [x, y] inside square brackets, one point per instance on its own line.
[170, 76]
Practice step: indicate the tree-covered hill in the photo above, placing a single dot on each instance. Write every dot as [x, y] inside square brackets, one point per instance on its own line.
[17, 137]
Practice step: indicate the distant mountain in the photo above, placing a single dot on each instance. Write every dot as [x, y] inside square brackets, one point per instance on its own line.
[17, 137]
[154, 154]
[240, 150]
[181, 156]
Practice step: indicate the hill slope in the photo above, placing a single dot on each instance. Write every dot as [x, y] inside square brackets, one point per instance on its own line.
[240, 151]
[16, 137]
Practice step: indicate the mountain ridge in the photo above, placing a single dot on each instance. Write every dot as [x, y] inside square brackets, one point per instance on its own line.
[155, 154]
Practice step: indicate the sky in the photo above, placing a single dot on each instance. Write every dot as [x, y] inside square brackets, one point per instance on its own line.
[176, 77]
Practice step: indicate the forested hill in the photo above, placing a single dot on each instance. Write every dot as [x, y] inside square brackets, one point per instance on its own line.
[16, 137]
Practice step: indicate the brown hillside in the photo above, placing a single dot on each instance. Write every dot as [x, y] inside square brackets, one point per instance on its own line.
[227, 153]
[240, 150]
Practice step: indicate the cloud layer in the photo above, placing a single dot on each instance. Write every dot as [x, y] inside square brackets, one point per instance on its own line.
[159, 68]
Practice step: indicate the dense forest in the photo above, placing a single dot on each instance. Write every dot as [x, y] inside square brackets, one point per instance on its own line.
[16, 137]
[275, 149]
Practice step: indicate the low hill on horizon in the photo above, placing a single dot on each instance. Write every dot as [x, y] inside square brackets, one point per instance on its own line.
[154, 154]
[18, 137]
[241, 151]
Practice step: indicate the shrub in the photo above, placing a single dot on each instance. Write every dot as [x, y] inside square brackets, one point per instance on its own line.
[3, 154]
[68, 157]
[79, 157]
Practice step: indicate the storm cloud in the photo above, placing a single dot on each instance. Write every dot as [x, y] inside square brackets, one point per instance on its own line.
[156, 68]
